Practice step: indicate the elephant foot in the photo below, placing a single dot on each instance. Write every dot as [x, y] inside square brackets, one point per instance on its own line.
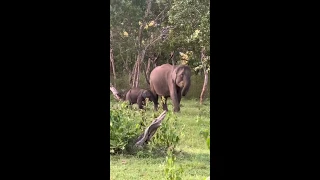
[165, 108]
[176, 110]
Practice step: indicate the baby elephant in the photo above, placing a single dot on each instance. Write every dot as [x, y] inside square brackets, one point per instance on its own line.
[138, 96]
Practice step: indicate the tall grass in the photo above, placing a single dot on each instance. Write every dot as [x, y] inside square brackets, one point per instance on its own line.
[122, 83]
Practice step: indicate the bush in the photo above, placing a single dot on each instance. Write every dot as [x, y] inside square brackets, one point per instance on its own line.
[126, 125]
[123, 128]
[205, 131]
[171, 171]
[168, 135]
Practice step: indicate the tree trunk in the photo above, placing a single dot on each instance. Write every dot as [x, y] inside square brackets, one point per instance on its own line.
[155, 60]
[133, 75]
[147, 71]
[136, 76]
[112, 65]
[205, 83]
[204, 88]
[135, 80]
[148, 66]
[171, 58]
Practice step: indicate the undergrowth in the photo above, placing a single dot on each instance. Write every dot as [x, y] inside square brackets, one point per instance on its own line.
[127, 124]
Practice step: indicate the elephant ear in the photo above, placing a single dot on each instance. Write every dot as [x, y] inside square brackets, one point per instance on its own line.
[175, 72]
[144, 94]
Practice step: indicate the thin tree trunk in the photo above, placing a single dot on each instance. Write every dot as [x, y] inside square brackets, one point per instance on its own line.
[171, 58]
[133, 79]
[155, 60]
[148, 66]
[112, 64]
[132, 75]
[110, 67]
[205, 83]
[147, 70]
[140, 58]
[136, 84]
[204, 88]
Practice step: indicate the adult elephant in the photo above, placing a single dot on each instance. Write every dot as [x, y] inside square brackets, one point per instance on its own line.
[138, 96]
[170, 81]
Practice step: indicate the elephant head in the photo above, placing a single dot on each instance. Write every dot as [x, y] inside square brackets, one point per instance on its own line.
[181, 76]
[148, 94]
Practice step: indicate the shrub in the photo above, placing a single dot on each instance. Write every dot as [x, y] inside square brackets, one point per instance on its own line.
[168, 135]
[205, 131]
[171, 171]
[126, 125]
[123, 127]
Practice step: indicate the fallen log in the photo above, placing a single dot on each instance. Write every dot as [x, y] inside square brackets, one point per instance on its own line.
[115, 93]
[151, 130]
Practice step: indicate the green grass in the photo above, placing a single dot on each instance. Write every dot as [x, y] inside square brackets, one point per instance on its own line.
[193, 154]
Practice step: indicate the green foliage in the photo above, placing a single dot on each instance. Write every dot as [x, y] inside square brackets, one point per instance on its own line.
[127, 124]
[123, 127]
[205, 131]
[169, 135]
[189, 19]
[172, 172]
[126, 18]
[191, 152]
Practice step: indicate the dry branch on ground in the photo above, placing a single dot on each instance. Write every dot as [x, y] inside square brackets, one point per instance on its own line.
[115, 92]
[151, 130]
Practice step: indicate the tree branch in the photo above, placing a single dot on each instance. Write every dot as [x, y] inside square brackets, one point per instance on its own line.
[115, 92]
[150, 131]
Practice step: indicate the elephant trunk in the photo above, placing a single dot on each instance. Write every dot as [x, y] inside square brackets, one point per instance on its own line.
[186, 87]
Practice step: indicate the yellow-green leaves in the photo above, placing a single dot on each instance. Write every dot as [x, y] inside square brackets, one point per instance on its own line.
[125, 33]
[151, 23]
[195, 34]
[185, 57]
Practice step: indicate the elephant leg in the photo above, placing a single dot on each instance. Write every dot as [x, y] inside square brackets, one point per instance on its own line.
[179, 96]
[140, 101]
[175, 101]
[164, 105]
[130, 105]
[155, 103]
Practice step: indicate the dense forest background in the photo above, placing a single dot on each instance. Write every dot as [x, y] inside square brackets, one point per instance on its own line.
[145, 34]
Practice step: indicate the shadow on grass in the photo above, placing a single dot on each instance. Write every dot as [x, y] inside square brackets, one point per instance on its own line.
[193, 156]
[161, 153]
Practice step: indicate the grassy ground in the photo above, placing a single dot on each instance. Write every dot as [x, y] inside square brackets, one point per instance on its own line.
[193, 156]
